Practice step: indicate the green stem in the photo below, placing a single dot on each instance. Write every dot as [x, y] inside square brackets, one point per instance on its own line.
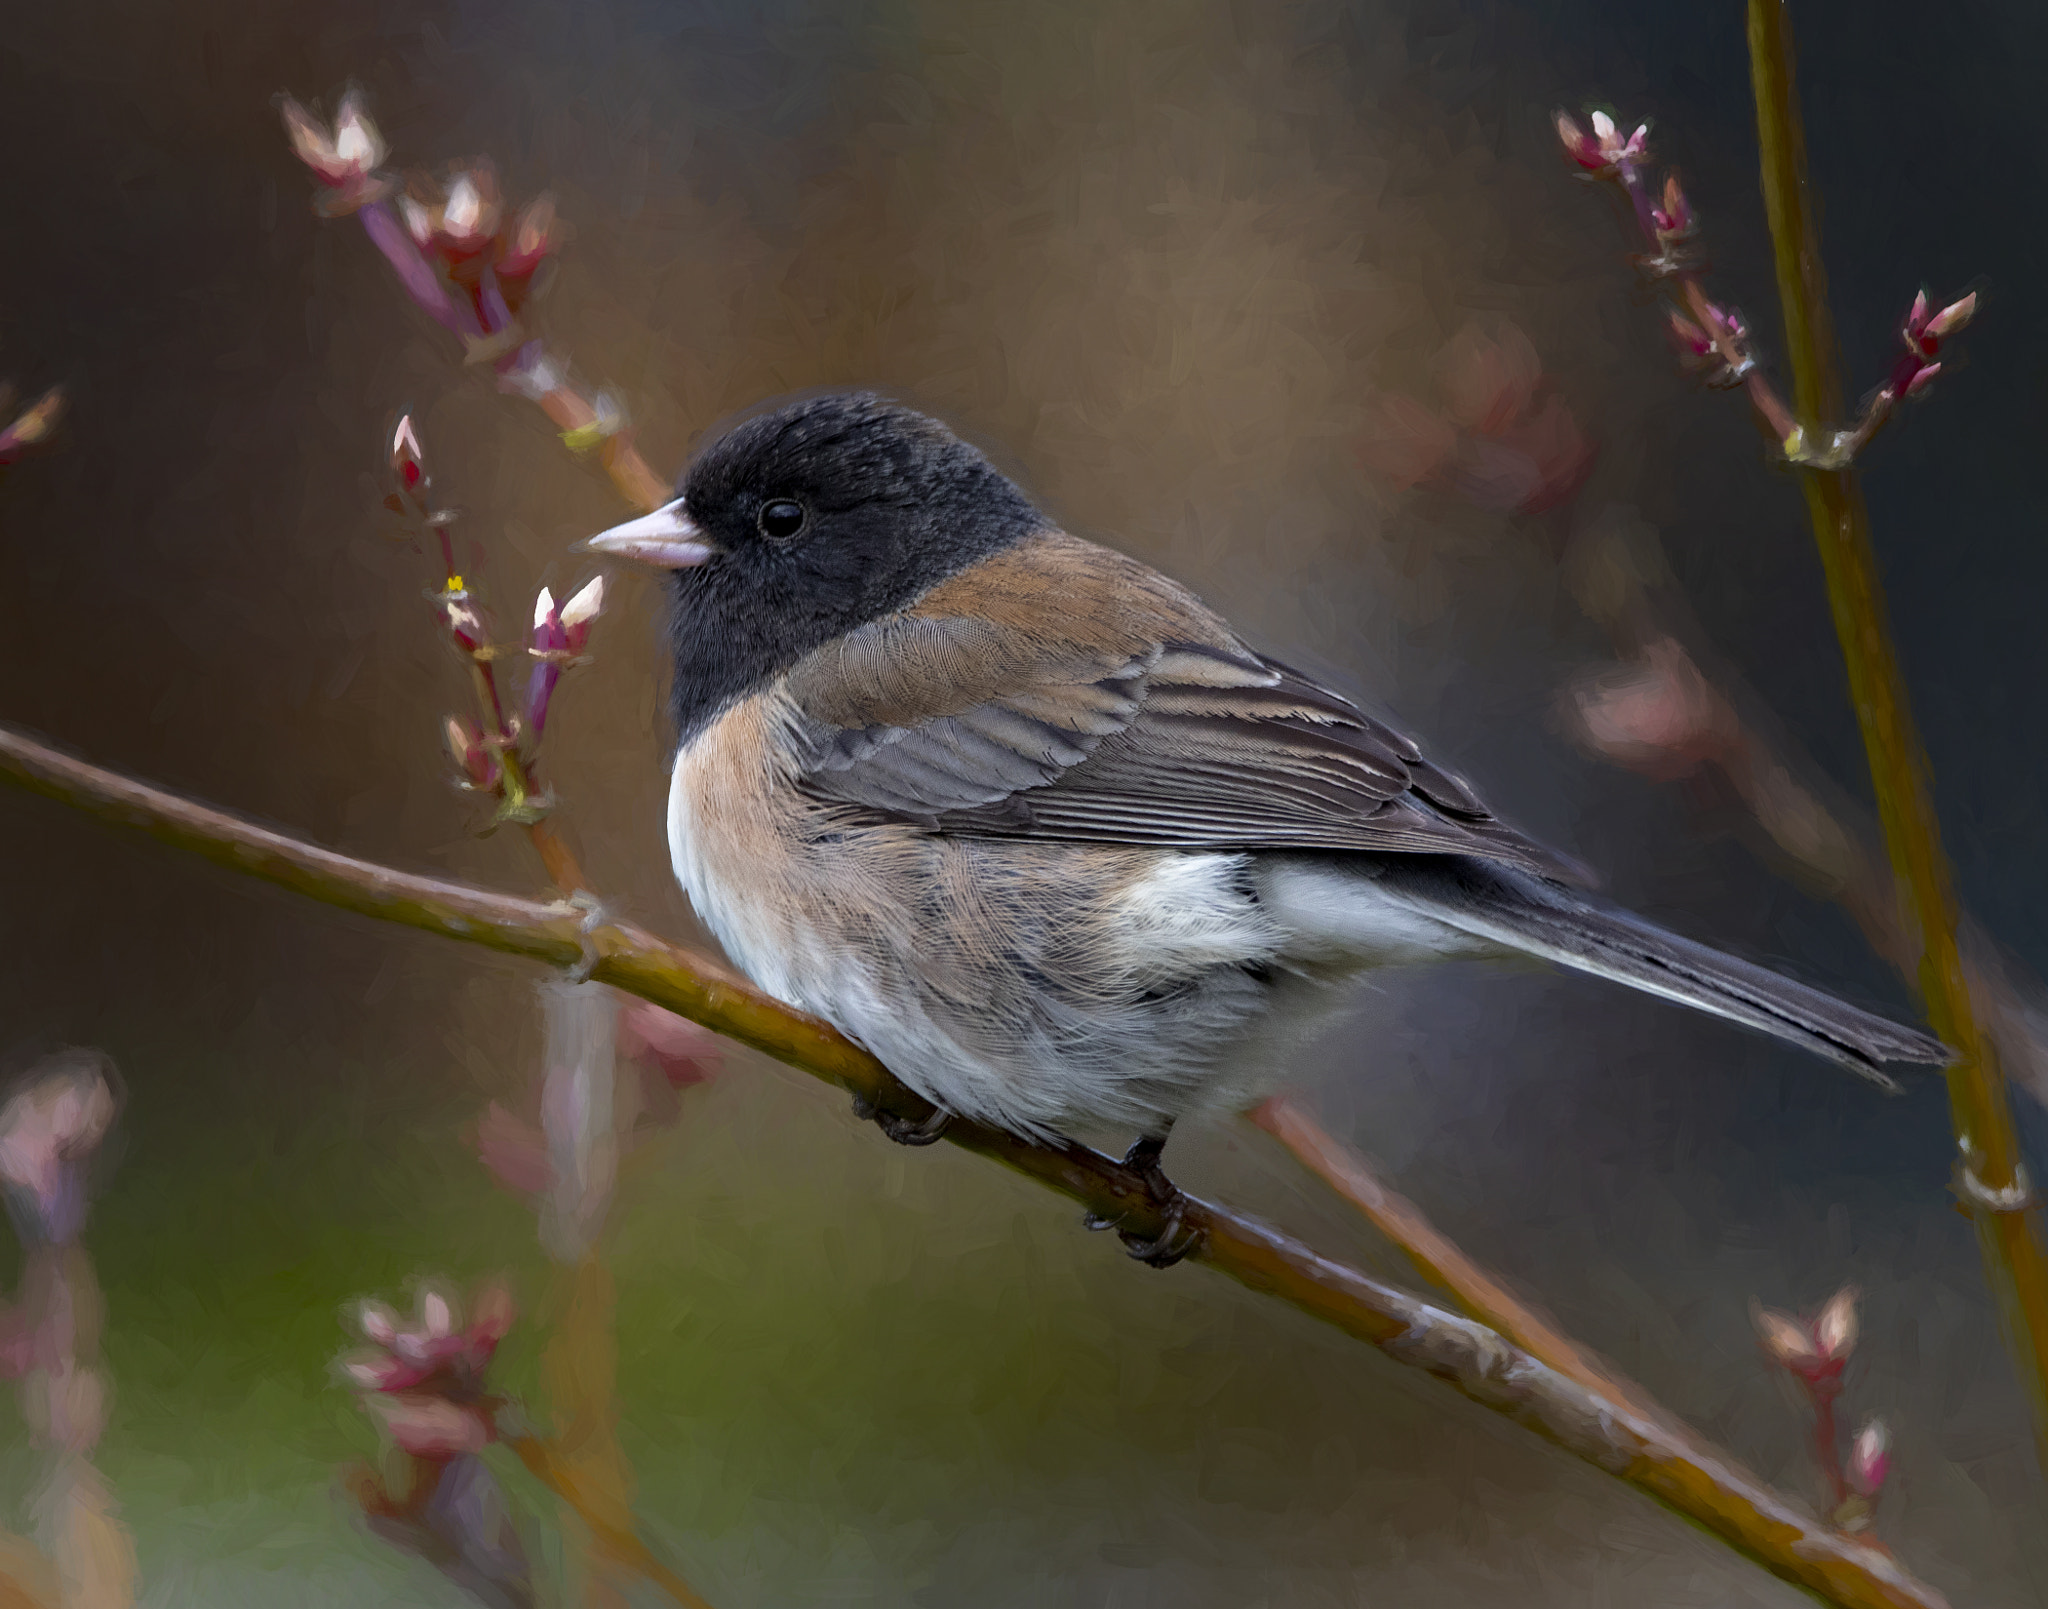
[1994, 1182]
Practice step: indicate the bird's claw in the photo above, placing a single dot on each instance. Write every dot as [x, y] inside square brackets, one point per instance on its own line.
[1176, 1238]
[904, 1130]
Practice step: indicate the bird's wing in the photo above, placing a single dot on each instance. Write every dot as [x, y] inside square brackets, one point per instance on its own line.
[1063, 691]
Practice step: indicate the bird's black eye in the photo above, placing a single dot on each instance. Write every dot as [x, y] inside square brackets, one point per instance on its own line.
[781, 519]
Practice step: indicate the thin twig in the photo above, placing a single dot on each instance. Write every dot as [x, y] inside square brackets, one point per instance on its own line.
[1773, 1529]
[1443, 1263]
[1993, 1180]
[1716, 339]
[621, 1545]
[1824, 843]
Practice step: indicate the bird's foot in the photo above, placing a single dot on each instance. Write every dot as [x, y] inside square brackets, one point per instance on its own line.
[1176, 1238]
[904, 1130]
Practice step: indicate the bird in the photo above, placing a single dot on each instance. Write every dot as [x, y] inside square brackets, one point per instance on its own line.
[1040, 829]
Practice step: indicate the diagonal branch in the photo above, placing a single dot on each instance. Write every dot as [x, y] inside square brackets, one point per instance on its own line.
[1666, 716]
[1780, 1534]
[1440, 1260]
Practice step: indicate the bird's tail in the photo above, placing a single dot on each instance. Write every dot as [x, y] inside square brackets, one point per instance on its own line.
[1521, 912]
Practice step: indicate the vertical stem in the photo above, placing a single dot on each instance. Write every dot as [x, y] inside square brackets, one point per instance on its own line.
[1995, 1187]
[1827, 1444]
[564, 870]
[580, 1363]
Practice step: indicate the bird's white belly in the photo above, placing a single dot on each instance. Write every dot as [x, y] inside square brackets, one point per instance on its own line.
[1038, 987]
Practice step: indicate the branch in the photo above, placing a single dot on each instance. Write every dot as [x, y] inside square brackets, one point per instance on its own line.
[1442, 1263]
[470, 267]
[1715, 340]
[1665, 717]
[1491, 1302]
[1994, 1184]
[1781, 1535]
[621, 1545]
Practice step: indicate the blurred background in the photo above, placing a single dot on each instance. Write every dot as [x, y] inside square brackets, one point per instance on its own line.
[1167, 261]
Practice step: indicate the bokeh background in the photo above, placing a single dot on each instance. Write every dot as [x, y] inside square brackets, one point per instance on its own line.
[1161, 258]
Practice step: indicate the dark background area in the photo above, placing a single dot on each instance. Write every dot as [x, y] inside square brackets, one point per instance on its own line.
[1159, 258]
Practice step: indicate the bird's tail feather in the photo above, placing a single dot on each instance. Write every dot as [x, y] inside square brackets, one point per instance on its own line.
[1540, 918]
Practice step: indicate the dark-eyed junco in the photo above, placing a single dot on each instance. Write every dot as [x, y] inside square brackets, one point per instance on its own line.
[1033, 824]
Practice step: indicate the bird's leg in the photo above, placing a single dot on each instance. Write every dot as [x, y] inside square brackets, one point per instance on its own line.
[903, 1130]
[1174, 1240]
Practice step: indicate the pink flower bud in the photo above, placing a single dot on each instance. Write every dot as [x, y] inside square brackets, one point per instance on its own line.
[1579, 145]
[1922, 380]
[462, 215]
[1604, 149]
[1924, 332]
[1691, 337]
[419, 220]
[343, 159]
[514, 1150]
[310, 141]
[1661, 718]
[472, 755]
[1789, 1342]
[681, 1051]
[47, 1131]
[533, 237]
[32, 425]
[432, 1427]
[378, 1322]
[437, 1313]
[408, 463]
[491, 1314]
[465, 624]
[372, 1373]
[1952, 318]
[357, 144]
[581, 609]
[550, 643]
[1675, 216]
[1834, 1332]
[1730, 320]
[1870, 1459]
[469, 217]
[1612, 146]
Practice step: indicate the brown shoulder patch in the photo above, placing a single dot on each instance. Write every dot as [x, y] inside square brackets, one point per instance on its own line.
[1063, 590]
[1054, 612]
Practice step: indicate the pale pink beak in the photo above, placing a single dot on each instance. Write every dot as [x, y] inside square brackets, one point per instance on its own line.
[668, 539]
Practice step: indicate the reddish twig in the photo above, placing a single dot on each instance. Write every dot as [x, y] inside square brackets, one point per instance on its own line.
[1440, 1261]
[470, 264]
[1715, 340]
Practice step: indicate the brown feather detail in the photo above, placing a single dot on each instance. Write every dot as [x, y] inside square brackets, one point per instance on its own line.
[1063, 691]
[1056, 589]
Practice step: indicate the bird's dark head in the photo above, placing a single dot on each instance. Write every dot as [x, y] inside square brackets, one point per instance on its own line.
[797, 526]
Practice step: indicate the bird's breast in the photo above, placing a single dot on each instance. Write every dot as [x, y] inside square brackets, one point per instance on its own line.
[736, 831]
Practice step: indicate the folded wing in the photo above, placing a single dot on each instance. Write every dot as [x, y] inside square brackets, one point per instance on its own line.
[1116, 708]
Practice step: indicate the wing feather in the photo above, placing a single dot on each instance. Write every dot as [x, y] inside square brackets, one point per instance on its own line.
[1121, 711]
